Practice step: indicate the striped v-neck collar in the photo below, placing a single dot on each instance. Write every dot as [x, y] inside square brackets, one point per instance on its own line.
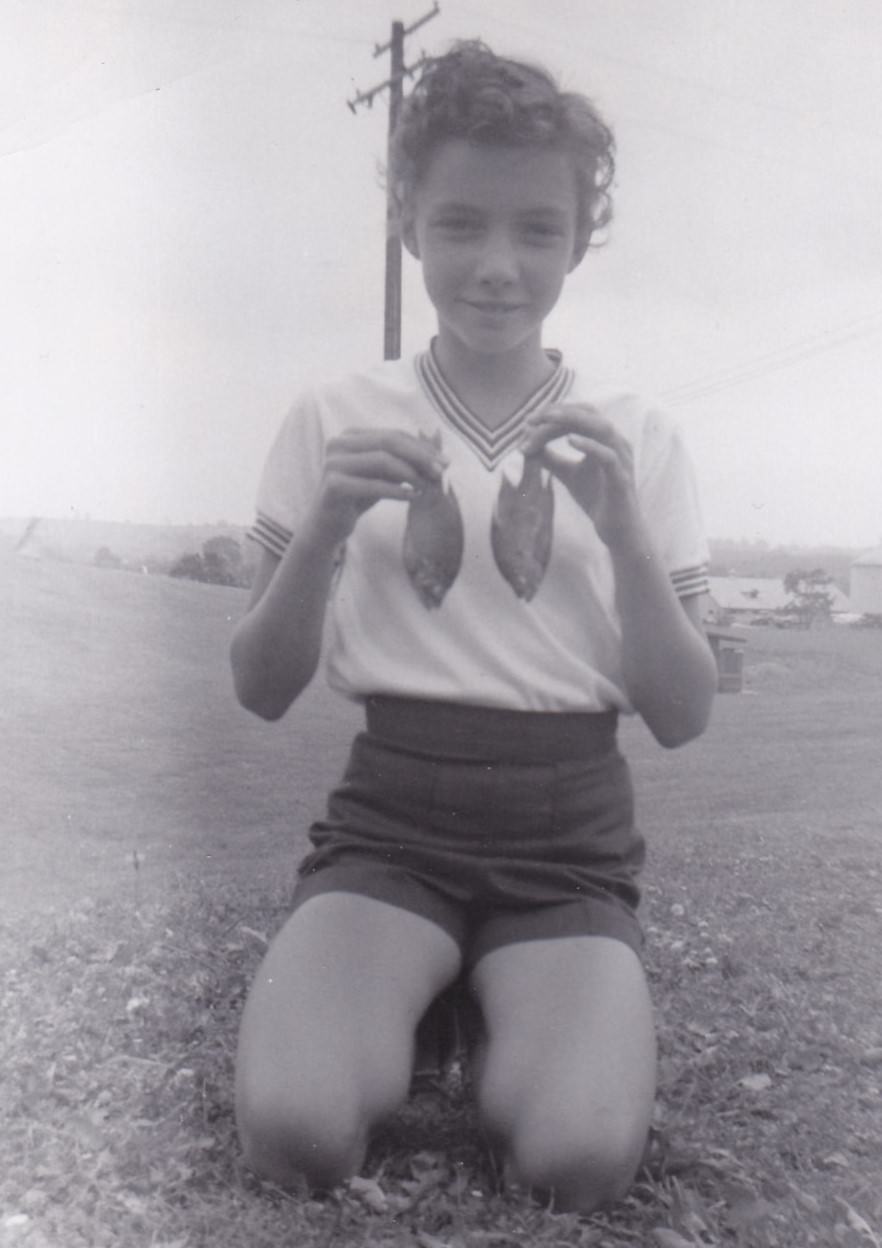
[490, 445]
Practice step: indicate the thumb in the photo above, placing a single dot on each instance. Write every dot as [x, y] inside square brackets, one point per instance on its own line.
[561, 466]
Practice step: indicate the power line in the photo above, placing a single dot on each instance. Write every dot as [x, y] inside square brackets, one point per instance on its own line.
[774, 361]
[753, 370]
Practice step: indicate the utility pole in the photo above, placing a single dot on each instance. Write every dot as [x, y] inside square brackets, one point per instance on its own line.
[398, 71]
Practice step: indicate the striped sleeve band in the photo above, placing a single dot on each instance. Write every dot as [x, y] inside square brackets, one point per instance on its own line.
[689, 582]
[268, 533]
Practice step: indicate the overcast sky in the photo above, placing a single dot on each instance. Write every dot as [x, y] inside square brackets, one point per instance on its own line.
[193, 228]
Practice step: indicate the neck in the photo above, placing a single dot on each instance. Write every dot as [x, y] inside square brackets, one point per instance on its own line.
[494, 385]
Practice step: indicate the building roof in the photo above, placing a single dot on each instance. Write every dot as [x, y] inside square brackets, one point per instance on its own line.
[761, 593]
[749, 593]
[725, 634]
[869, 559]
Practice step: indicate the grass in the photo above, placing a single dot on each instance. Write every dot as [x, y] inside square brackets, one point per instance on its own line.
[132, 928]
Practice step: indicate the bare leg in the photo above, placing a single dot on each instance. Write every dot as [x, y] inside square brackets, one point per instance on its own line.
[326, 1044]
[566, 1082]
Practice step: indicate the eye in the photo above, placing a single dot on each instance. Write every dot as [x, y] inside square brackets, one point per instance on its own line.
[542, 232]
[457, 224]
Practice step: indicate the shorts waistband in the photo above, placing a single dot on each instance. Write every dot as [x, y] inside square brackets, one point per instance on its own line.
[489, 734]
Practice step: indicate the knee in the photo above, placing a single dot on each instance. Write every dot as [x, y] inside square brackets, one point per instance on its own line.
[579, 1179]
[579, 1167]
[314, 1129]
[295, 1142]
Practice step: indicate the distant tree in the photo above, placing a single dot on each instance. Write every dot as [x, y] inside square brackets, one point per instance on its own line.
[189, 567]
[222, 560]
[810, 594]
[220, 563]
[105, 558]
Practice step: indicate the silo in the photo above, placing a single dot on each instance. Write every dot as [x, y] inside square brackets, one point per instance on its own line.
[866, 583]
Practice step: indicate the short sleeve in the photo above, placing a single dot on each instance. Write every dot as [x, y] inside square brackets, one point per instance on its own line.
[290, 477]
[669, 498]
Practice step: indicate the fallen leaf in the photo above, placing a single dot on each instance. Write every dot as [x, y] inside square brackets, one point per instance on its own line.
[15, 1220]
[748, 1209]
[136, 1205]
[755, 1083]
[806, 1199]
[424, 1158]
[426, 1179]
[836, 1159]
[858, 1223]
[695, 1224]
[667, 1238]
[425, 1240]
[370, 1192]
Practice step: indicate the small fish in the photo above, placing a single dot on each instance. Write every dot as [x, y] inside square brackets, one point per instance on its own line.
[433, 540]
[522, 530]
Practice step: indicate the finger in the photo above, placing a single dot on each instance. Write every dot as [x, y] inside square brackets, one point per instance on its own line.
[363, 492]
[618, 458]
[566, 419]
[423, 453]
[566, 465]
[583, 418]
[381, 465]
[570, 472]
[566, 470]
[615, 461]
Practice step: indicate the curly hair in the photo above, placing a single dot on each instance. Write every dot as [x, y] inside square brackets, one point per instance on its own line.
[471, 93]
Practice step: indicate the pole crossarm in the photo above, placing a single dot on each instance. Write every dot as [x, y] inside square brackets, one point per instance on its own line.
[367, 97]
[379, 49]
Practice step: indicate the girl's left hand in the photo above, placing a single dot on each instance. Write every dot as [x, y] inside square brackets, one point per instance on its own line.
[602, 481]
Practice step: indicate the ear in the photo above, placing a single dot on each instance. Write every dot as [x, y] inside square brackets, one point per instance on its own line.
[580, 247]
[408, 236]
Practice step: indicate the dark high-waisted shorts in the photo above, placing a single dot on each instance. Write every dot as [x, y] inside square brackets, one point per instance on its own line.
[500, 826]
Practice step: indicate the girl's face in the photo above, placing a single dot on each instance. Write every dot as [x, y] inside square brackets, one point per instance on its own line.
[495, 229]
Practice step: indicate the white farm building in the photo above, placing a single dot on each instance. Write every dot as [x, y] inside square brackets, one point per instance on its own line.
[865, 583]
[744, 599]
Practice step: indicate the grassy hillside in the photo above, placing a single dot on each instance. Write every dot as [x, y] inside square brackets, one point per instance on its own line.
[155, 546]
[121, 734]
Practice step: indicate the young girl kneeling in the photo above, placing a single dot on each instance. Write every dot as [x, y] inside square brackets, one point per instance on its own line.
[510, 557]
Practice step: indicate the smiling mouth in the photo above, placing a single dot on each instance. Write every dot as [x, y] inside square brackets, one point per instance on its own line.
[492, 306]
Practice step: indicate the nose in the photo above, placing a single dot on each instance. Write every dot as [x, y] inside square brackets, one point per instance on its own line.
[496, 263]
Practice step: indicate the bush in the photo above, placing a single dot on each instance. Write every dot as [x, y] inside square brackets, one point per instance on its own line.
[220, 563]
[105, 558]
[190, 567]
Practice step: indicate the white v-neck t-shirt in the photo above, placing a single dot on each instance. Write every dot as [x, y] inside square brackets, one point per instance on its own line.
[559, 651]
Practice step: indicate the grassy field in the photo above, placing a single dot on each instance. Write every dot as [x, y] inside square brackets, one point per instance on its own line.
[150, 831]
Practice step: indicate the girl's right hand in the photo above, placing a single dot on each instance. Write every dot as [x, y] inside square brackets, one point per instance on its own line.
[363, 466]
